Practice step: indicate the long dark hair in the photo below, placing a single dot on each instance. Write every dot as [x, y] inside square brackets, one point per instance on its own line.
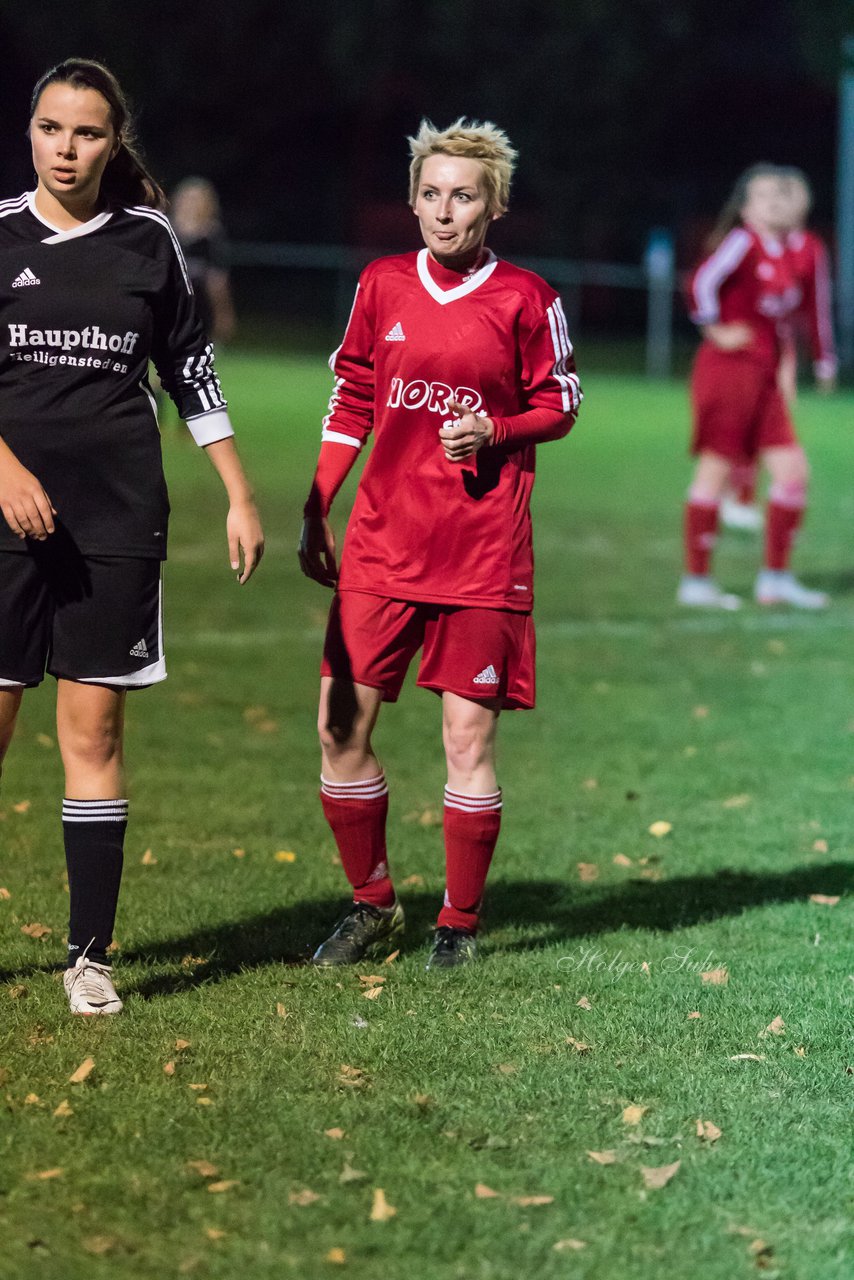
[730, 214]
[126, 180]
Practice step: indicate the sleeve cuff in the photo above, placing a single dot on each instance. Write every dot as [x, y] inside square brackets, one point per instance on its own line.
[338, 437]
[210, 427]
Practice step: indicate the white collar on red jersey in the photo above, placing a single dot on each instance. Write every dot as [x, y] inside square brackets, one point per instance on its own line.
[468, 286]
[85, 228]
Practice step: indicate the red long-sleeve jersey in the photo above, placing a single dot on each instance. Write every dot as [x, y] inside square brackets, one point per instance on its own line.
[419, 336]
[809, 258]
[749, 278]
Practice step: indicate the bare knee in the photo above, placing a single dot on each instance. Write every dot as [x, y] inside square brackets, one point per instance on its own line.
[91, 744]
[345, 723]
[468, 745]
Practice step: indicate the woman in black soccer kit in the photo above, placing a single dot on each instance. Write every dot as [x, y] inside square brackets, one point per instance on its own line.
[92, 285]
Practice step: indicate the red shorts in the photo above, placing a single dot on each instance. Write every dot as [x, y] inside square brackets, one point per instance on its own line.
[738, 408]
[480, 654]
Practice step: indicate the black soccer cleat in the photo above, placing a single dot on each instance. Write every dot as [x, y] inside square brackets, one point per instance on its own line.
[363, 931]
[452, 947]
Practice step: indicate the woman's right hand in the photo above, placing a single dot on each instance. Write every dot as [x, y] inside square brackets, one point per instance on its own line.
[27, 509]
[317, 551]
[733, 336]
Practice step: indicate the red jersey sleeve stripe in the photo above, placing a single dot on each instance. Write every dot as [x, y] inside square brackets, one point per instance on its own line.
[706, 286]
[563, 353]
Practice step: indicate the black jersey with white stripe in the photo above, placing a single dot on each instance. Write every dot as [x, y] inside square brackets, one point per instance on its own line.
[81, 314]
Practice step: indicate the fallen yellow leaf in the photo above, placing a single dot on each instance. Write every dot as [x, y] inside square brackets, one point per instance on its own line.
[199, 1088]
[281, 1011]
[660, 1175]
[800, 1051]
[303, 1198]
[204, 1101]
[238, 853]
[349, 1174]
[45, 1175]
[214, 1233]
[44, 740]
[392, 956]
[412, 881]
[621, 860]
[716, 977]
[148, 859]
[776, 1027]
[5, 894]
[525, 1202]
[36, 930]
[737, 802]
[203, 1168]
[824, 899]
[181, 1045]
[659, 829]
[707, 1131]
[335, 1134]
[381, 1210]
[560, 1245]
[32, 1100]
[226, 1185]
[21, 807]
[169, 1068]
[483, 1192]
[588, 871]
[372, 993]
[99, 1245]
[578, 1045]
[747, 1057]
[353, 1077]
[634, 1114]
[84, 1070]
[820, 846]
[336, 1255]
[695, 1014]
[590, 784]
[603, 1157]
[584, 1003]
[285, 855]
[63, 1109]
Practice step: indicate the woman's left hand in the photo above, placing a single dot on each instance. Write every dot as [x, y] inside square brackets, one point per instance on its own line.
[245, 534]
[462, 438]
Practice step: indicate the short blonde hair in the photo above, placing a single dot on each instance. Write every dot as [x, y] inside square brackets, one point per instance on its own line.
[484, 142]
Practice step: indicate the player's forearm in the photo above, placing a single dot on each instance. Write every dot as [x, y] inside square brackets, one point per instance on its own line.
[226, 461]
[536, 426]
[334, 464]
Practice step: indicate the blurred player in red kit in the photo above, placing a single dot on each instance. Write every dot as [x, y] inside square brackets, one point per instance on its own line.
[742, 296]
[460, 364]
[812, 326]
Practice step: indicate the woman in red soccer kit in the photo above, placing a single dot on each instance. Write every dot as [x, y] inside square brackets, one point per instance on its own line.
[460, 364]
[93, 284]
[741, 297]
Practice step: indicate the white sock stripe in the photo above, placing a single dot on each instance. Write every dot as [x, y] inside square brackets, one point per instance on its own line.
[366, 789]
[473, 803]
[94, 810]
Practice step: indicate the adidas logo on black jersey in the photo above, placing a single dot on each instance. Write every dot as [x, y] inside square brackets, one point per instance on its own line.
[26, 277]
[139, 650]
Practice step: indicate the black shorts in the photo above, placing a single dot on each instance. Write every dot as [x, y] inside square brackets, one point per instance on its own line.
[94, 619]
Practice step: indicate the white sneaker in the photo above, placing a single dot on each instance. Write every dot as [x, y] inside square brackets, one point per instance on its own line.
[704, 593]
[774, 586]
[740, 515]
[90, 989]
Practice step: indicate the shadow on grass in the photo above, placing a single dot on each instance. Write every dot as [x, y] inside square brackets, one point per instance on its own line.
[560, 911]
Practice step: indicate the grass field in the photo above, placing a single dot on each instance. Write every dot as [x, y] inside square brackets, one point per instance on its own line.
[243, 1114]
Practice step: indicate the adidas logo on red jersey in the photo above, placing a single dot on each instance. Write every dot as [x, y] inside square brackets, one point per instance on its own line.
[26, 277]
[396, 334]
[487, 676]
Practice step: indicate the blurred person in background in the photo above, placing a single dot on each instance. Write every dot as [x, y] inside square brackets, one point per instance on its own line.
[460, 364]
[93, 286]
[742, 297]
[811, 326]
[197, 219]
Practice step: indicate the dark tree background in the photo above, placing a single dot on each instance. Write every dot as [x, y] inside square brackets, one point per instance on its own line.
[627, 113]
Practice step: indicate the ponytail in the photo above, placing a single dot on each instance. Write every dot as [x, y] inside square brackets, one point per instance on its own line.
[730, 214]
[126, 180]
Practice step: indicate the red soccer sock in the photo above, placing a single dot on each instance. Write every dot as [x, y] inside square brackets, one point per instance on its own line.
[356, 812]
[701, 529]
[786, 506]
[471, 825]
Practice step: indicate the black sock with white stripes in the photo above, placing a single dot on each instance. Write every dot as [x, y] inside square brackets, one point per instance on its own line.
[94, 832]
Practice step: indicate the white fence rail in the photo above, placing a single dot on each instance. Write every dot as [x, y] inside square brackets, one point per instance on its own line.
[656, 276]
